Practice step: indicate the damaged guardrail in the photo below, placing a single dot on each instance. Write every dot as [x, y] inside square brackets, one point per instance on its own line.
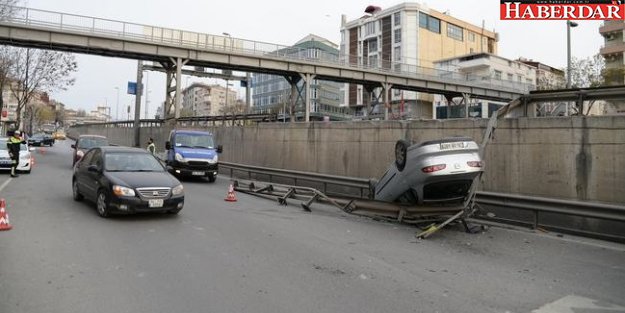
[546, 213]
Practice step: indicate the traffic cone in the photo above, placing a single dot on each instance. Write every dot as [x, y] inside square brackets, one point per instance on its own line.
[4, 217]
[231, 197]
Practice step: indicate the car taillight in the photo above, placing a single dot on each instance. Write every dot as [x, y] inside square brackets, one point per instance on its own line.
[474, 163]
[433, 168]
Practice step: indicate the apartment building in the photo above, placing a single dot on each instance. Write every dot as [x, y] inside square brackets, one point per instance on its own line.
[613, 51]
[408, 35]
[482, 67]
[273, 92]
[204, 100]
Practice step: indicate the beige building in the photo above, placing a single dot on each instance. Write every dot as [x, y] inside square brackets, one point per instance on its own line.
[613, 51]
[408, 36]
[482, 67]
[206, 100]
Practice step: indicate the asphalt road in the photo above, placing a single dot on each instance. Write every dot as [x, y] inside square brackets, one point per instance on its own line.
[255, 256]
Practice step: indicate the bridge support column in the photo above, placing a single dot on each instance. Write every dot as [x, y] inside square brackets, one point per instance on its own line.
[139, 91]
[386, 88]
[293, 80]
[308, 79]
[173, 96]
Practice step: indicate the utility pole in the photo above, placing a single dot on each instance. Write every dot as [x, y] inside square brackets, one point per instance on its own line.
[147, 94]
[138, 103]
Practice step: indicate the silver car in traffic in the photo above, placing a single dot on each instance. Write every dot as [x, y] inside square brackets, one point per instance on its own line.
[433, 171]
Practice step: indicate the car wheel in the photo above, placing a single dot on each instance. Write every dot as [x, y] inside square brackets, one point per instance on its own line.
[76, 192]
[401, 153]
[102, 204]
[211, 178]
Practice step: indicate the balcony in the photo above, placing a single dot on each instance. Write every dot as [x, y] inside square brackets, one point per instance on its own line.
[614, 48]
[611, 26]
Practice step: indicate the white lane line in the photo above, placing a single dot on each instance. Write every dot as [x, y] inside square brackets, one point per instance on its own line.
[5, 183]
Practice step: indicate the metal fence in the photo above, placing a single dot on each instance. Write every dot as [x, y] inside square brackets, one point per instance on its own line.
[160, 35]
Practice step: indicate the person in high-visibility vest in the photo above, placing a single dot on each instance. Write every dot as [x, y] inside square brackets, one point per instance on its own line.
[13, 146]
[151, 146]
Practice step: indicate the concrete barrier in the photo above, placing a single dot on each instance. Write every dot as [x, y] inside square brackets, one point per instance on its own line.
[579, 158]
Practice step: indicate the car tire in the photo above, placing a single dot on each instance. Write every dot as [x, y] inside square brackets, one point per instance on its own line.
[75, 192]
[102, 204]
[401, 154]
[211, 178]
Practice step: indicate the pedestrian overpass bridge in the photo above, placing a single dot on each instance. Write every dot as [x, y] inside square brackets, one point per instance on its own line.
[174, 49]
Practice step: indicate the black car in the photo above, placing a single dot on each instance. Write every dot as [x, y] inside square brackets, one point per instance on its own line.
[86, 142]
[41, 139]
[126, 180]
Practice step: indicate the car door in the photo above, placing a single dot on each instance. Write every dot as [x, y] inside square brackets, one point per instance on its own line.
[92, 178]
[82, 174]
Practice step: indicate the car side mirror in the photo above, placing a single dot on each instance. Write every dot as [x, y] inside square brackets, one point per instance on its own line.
[167, 145]
[73, 146]
[31, 149]
[220, 148]
[93, 168]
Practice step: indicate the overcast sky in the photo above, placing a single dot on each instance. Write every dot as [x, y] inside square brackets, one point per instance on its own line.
[285, 22]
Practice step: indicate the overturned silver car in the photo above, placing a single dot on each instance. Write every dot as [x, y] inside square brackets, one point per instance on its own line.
[433, 171]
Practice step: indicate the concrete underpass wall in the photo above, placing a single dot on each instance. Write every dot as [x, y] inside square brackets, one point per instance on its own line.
[573, 158]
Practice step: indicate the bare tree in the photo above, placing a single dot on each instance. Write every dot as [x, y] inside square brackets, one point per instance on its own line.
[587, 72]
[39, 70]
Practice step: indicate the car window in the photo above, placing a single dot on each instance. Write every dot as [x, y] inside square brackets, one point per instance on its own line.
[86, 143]
[87, 157]
[194, 140]
[131, 162]
[96, 159]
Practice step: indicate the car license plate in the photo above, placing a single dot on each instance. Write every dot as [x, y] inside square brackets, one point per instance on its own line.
[197, 173]
[155, 203]
[5, 161]
[452, 145]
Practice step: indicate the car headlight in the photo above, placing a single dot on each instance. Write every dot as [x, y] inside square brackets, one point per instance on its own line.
[80, 153]
[179, 157]
[178, 190]
[214, 159]
[123, 191]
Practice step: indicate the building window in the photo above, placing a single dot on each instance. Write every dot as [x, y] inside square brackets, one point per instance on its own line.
[510, 76]
[497, 74]
[455, 32]
[397, 54]
[397, 35]
[471, 36]
[429, 22]
[373, 61]
[397, 18]
[520, 78]
[372, 45]
[370, 28]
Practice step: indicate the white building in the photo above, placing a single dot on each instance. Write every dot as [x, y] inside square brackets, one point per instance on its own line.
[483, 67]
[206, 100]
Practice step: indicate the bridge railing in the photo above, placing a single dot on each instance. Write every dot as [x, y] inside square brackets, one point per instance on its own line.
[133, 31]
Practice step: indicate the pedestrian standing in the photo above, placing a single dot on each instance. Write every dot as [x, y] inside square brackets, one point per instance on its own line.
[13, 146]
[151, 146]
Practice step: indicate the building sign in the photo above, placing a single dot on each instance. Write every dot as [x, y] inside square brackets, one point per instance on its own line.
[562, 10]
[132, 88]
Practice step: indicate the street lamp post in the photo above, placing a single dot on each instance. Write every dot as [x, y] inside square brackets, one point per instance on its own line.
[569, 24]
[117, 105]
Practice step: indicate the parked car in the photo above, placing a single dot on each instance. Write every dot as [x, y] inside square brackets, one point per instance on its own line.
[41, 139]
[192, 153]
[86, 142]
[126, 180]
[433, 171]
[25, 163]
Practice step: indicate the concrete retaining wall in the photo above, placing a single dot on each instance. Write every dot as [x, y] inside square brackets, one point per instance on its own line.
[573, 158]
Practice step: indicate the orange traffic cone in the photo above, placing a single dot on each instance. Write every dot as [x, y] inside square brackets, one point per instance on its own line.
[231, 197]
[4, 217]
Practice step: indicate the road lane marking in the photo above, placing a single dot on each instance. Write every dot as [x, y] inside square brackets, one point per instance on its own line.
[5, 183]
